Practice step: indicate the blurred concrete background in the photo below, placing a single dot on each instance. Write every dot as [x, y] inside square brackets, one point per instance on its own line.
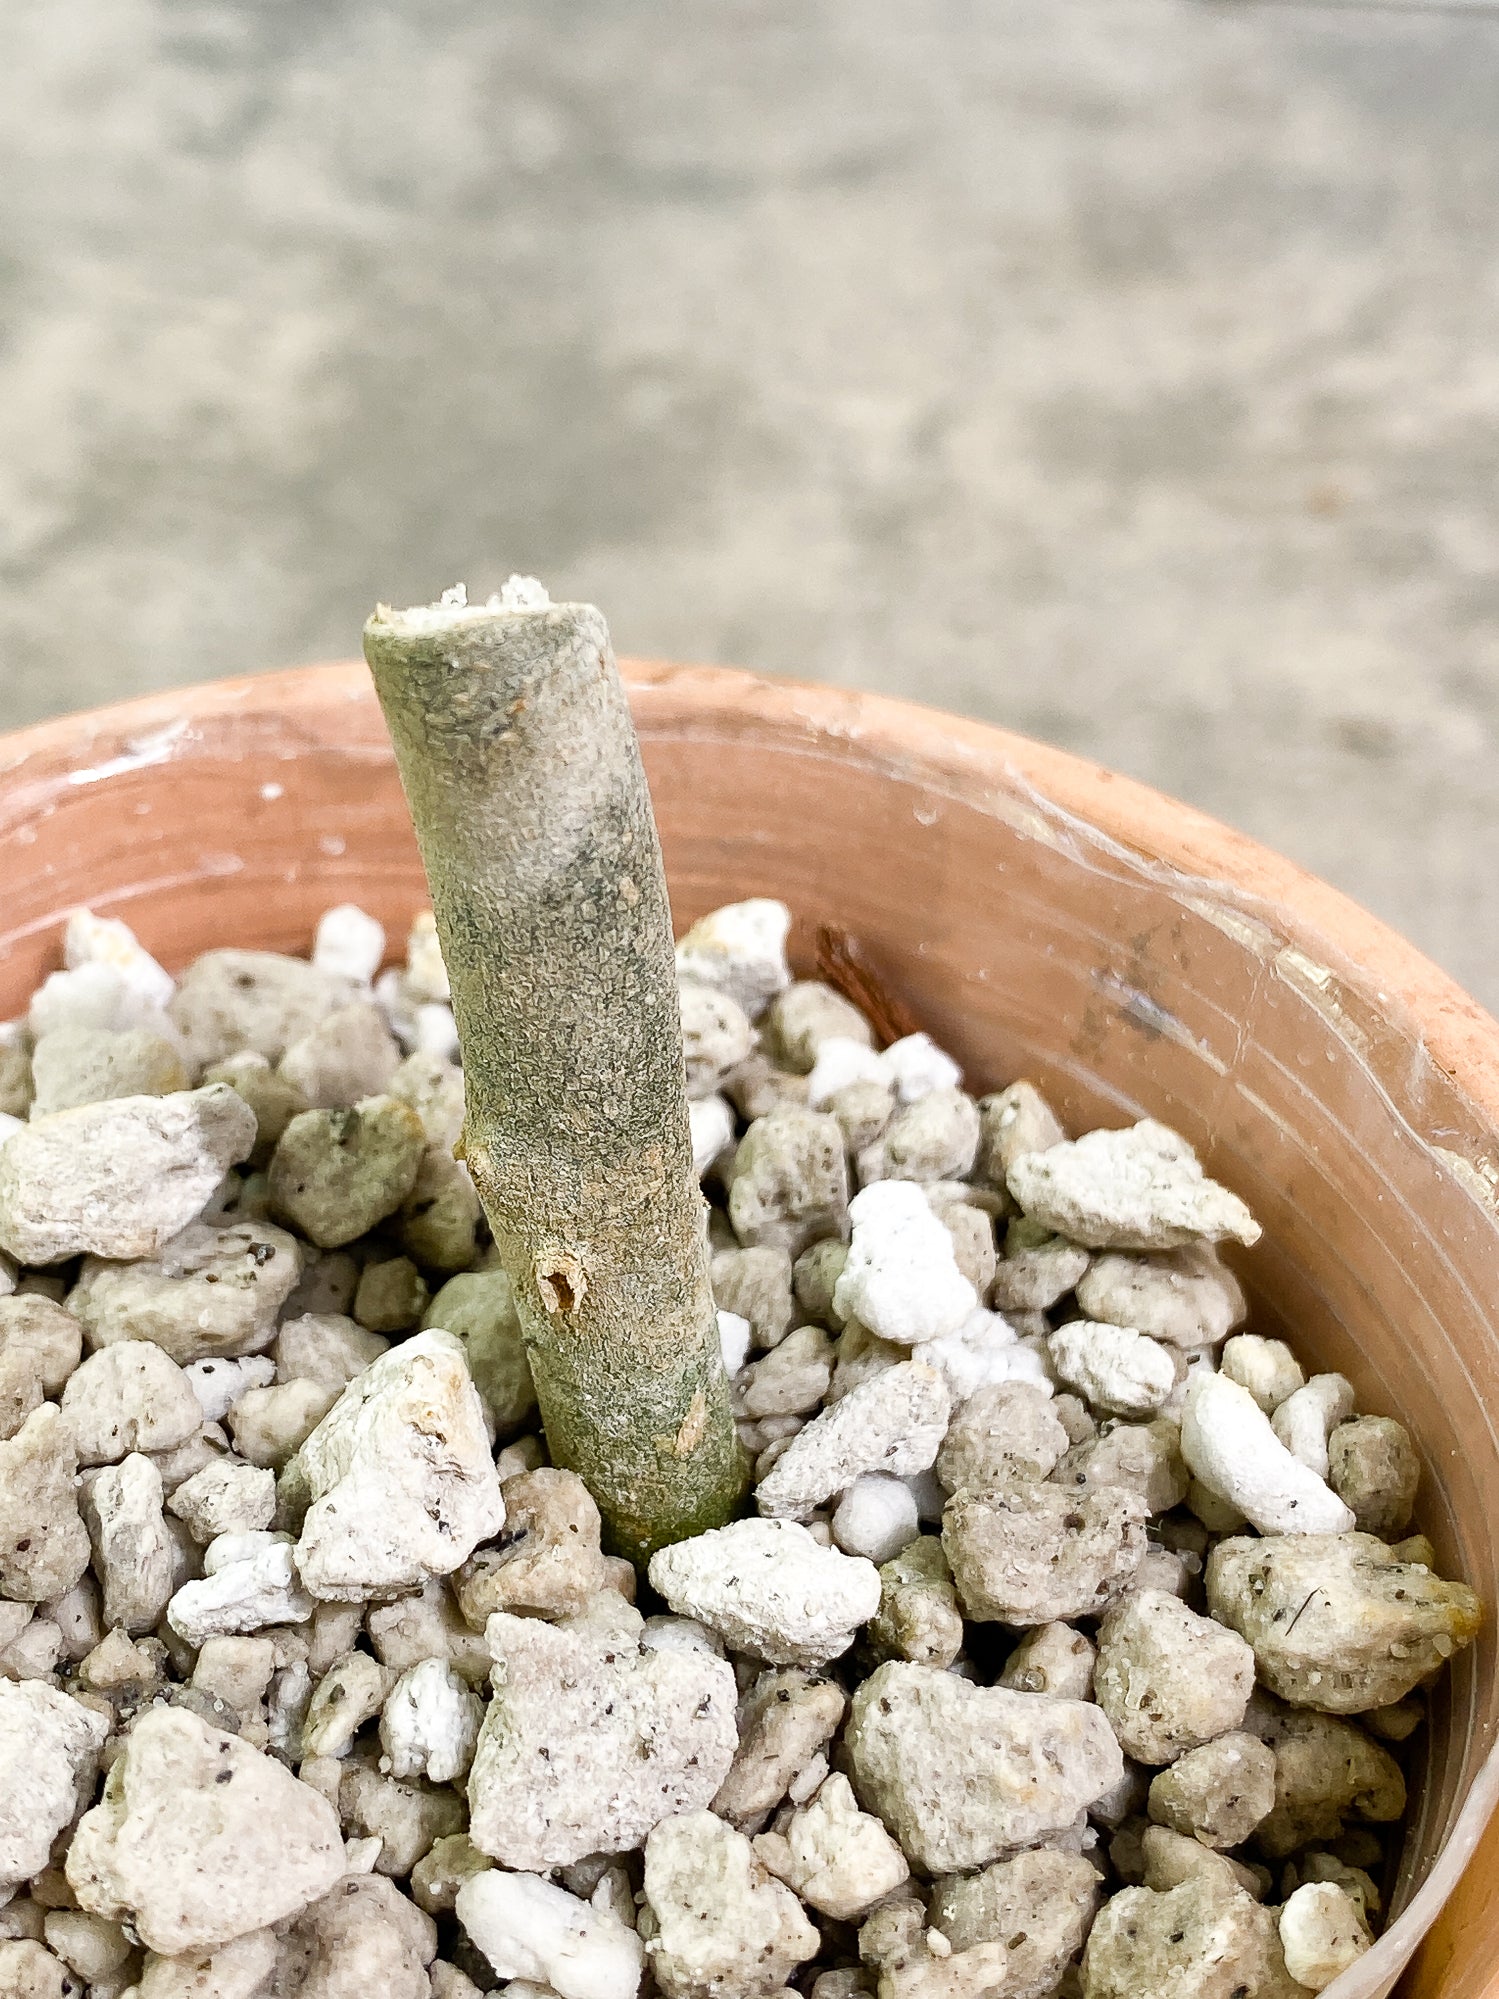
[1122, 370]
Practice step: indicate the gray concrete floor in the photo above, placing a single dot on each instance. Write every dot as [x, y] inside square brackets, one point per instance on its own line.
[1124, 372]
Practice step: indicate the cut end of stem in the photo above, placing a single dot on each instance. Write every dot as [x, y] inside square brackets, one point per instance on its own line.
[519, 593]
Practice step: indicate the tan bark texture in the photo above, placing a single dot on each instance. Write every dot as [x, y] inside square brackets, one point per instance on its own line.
[523, 774]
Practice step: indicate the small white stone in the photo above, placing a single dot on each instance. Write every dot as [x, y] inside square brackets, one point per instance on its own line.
[1267, 1368]
[1322, 1932]
[840, 1061]
[1229, 1445]
[901, 1279]
[839, 1859]
[982, 1353]
[246, 1596]
[915, 1066]
[1121, 1372]
[199, 1838]
[218, 1384]
[1308, 1417]
[387, 1511]
[768, 1588]
[1139, 1188]
[734, 1340]
[893, 1422]
[104, 940]
[876, 1517]
[242, 1545]
[426, 974]
[530, 1929]
[134, 1551]
[129, 1397]
[121, 1178]
[741, 949]
[723, 1924]
[435, 1032]
[98, 996]
[430, 1724]
[349, 944]
[49, 1750]
[712, 1123]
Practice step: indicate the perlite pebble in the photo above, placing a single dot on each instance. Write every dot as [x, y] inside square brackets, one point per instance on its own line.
[199, 1839]
[590, 1741]
[387, 1511]
[243, 1596]
[129, 1397]
[1037, 1269]
[1304, 1421]
[840, 1860]
[1374, 1470]
[984, 1352]
[44, 1545]
[768, 1588]
[88, 939]
[1322, 1932]
[335, 1174]
[89, 1065]
[876, 1517]
[963, 1774]
[1001, 1433]
[118, 1179]
[430, 1724]
[230, 1000]
[134, 1552]
[1188, 1296]
[530, 1929]
[1139, 1188]
[1266, 1368]
[1229, 1445]
[1040, 1904]
[1217, 1793]
[1119, 1371]
[933, 1139]
[901, 1277]
[789, 1183]
[348, 944]
[892, 1423]
[40, 1345]
[1029, 1554]
[721, 1926]
[785, 1721]
[741, 949]
[1206, 1937]
[49, 1750]
[1167, 1679]
[219, 1384]
[1336, 1620]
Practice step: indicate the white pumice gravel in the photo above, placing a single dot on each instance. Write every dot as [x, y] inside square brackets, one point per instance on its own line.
[296, 1699]
[901, 1279]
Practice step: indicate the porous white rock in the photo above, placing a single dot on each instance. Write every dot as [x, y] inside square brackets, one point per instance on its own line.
[129, 1397]
[94, 997]
[241, 1546]
[1139, 1188]
[894, 1422]
[349, 944]
[209, 1291]
[134, 1551]
[1167, 1679]
[1229, 1445]
[1188, 1296]
[768, 1588]
[1308, 1417]
[915, 1066]
[984, 1353]
[842, 1060]
[226, 1497]
[711, 1123]
[230, 1000]
[399, 1474]
[901, 1279]
[430, 1723]
[531, 1929]
[364, 1940]
[40, 1345]
[876, 1517]
[245, 1596]
[1121, 1372]
[741, 949]
[733, 1341]
[120, 1178]
[199, 1838]
[1322, 1932]
[104, 940]
[218, 1384]
[963, 1774]
[838, 1858]
[49, 1751]
[723, 1926]
[44, 1545]
[1266, 1368]
[590, 1740]
[786, 1720]
[348, 1695]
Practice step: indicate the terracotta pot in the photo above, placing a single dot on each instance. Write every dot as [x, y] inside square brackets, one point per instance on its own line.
[1041, 917]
